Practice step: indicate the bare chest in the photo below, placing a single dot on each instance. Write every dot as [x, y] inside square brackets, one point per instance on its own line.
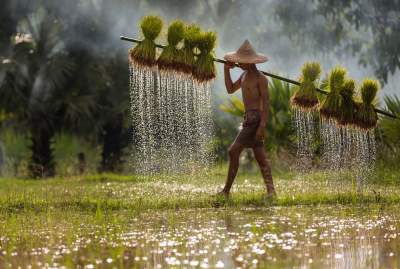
[250, 87]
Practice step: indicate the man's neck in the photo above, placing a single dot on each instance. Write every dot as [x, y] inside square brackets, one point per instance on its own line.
[253, 69]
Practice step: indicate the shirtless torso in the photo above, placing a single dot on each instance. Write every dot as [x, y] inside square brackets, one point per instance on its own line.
[254, 87]
[251, 90]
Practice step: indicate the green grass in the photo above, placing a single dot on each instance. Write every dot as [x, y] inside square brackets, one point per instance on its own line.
[103, 218]
[140, 193]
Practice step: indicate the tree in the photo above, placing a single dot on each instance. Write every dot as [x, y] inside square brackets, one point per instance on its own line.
[105, 71]
[34, 87]
[114, 118]
[368, 29]
[391, 127]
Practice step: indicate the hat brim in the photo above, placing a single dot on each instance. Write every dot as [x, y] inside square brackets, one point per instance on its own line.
[245, 59]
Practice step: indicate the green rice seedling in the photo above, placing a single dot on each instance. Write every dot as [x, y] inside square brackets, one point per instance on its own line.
[305, 96]
[145, 52]
[168, 59]
[347, 105]
[186, 59]
[366, 117]
[204, 65]
[330, 107]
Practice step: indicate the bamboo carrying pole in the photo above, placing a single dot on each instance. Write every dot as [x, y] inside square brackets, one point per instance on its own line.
[379, 111]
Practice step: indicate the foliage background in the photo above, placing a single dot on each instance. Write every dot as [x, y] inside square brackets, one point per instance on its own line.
[71, 82]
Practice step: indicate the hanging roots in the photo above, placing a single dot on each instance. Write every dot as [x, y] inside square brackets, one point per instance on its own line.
[204, 66]
[366, 117]
[145, 52]
[305, 96]
[330, 107]
[170, 54]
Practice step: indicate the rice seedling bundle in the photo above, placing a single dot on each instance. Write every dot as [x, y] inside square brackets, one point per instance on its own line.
[171, 113]
[168, 59]
[305, 96]
[204, 66]
[330, 107]
[145, 52]
[366, 117]
[347, 105]
[186, 59]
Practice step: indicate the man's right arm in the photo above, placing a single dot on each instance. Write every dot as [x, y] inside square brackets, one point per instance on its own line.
[231, 87]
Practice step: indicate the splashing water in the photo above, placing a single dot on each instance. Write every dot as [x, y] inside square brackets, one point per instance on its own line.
[304, 121]
[171, 115]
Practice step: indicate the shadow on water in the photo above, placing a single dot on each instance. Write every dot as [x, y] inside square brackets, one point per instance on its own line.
[277, 237]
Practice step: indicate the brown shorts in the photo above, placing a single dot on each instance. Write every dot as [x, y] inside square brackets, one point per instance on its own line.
[247, 134]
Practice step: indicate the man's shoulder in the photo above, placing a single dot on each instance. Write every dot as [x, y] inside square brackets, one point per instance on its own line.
[262, 78]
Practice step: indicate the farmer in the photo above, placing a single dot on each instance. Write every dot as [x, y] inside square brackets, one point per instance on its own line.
[254, 87]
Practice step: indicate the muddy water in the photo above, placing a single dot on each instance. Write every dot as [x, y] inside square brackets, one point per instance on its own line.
[287, 237]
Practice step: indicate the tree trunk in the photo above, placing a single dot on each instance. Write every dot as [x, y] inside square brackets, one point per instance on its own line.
[81, 163]
[112, 145]
[42, 163]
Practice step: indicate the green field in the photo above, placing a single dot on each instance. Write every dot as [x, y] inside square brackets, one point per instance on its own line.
[138, 193]
[116, 221]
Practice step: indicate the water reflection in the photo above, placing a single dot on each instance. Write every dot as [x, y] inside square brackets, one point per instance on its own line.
[287, 237]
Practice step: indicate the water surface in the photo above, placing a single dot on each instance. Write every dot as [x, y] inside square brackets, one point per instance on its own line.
[279, 237]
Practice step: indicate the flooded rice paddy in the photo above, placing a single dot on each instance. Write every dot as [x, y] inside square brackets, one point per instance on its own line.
[274, 237]
[114, 221]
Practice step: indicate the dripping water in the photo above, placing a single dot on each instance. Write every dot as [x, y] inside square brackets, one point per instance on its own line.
[171, 115]
[348, 150]
[364, 160]
[304, 121]
[331, 144]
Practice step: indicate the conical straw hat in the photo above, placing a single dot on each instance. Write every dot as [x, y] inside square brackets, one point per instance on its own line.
[245, 55]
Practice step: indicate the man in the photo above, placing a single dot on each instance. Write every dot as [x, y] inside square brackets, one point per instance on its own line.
[254, 87]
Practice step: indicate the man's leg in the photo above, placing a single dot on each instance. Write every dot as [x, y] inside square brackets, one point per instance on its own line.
[259, 154]
[234, 153]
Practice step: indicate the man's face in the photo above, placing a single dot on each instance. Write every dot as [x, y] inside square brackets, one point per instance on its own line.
[245, 66]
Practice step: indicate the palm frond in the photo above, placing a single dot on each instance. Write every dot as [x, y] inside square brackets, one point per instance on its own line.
[234, 107]
[390, 127]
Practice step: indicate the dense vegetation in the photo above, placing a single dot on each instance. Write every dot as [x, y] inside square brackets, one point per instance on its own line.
[64, 103]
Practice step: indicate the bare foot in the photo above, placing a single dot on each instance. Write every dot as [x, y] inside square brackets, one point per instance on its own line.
[271, 196]
[223, 194]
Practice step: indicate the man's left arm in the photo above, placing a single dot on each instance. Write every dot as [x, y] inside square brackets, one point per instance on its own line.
[263, 88]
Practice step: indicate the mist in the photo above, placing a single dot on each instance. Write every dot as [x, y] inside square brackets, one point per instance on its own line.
[234, 21]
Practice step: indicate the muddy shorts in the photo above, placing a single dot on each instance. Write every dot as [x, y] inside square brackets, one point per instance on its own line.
[247, 134]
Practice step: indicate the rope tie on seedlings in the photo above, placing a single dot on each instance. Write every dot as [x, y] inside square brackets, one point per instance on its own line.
[145, 52]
